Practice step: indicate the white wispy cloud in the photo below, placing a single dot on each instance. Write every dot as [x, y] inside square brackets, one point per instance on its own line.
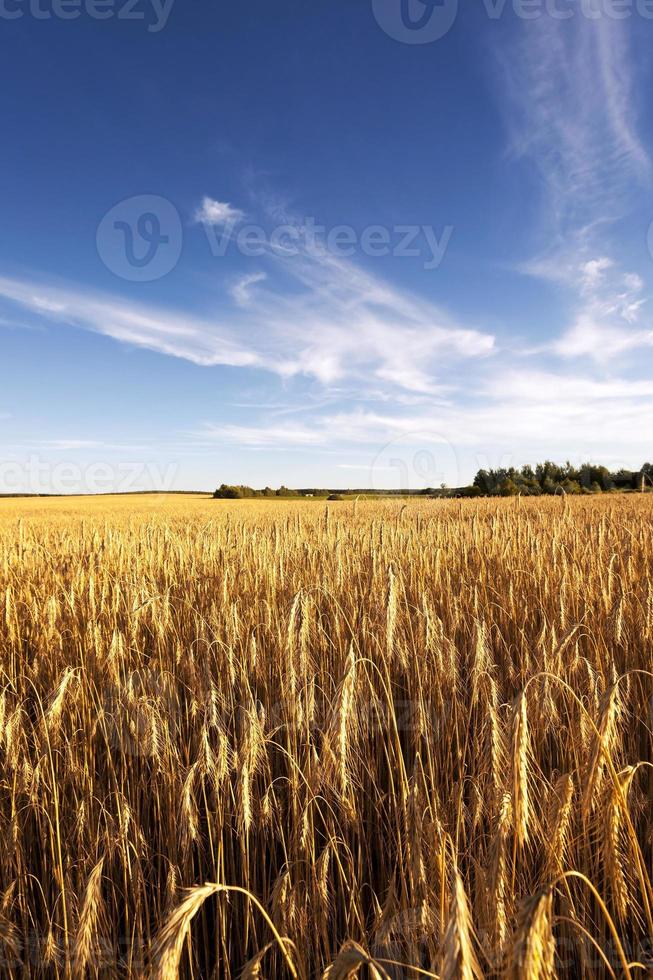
[572, 110]
[217, 213]
[73, 444]
[600, 341]
[542, 410]
[593, 272]
[607, 315]
[572, 113]
[336, 323]
[343, 322]
[68, 444]
[11, 324]
[168, 332]
[287, 436]
[242, 289]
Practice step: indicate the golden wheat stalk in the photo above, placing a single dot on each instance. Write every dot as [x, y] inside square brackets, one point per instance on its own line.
[89, 927]
[534, 946]
[520, 777]
[459, 960]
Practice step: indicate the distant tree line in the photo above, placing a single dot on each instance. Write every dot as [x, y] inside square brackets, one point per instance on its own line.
[551, 478]
[229, 492]
[531, 481]
[238, 492]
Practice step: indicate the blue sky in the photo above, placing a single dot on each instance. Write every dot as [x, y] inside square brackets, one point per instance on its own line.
[304, 243]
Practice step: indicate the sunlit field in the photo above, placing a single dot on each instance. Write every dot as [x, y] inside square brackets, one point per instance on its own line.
[288, 739]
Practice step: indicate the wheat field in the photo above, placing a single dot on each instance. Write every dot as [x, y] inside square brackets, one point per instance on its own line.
[291, 739]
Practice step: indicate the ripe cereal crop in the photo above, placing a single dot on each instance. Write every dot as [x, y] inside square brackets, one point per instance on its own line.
[302, 739]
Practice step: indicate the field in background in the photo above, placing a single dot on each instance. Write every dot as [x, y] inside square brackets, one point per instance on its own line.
[418, 733]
